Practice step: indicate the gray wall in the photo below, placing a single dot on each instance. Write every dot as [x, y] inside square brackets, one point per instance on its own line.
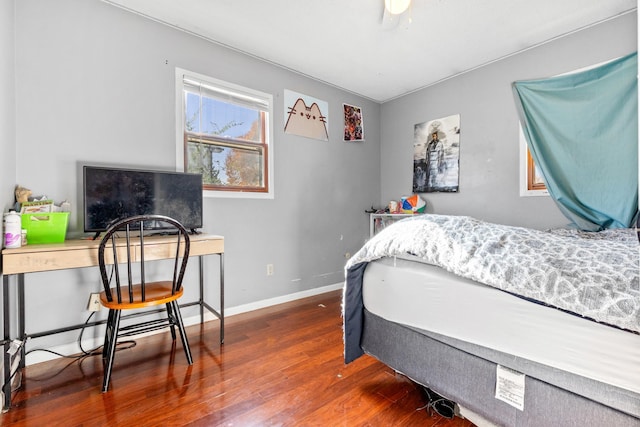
[95, 84]
[7, 103]
[489, 151]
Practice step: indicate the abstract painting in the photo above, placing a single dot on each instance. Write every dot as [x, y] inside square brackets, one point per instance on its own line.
[353, 123]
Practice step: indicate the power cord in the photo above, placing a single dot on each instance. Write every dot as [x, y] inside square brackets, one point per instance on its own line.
[85, 353]
[122, 345]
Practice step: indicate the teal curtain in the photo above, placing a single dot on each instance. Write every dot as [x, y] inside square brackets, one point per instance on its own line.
[582, 132]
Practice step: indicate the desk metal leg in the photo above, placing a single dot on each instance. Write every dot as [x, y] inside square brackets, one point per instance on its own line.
[222, 298]
[22, 334]
[201, 301]
[6, 359]
[219, 314]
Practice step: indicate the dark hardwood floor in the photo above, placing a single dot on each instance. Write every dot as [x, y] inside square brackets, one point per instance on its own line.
[279, 366]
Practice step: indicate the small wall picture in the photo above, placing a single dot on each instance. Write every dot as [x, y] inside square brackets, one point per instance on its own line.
[436, 155]
[306, 116]
[353, 124]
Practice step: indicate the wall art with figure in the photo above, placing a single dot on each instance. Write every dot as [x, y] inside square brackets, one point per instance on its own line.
[436, 155]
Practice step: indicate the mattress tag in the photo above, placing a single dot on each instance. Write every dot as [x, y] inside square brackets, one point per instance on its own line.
[510, 387]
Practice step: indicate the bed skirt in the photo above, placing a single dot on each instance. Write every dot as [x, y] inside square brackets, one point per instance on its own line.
[469, 380]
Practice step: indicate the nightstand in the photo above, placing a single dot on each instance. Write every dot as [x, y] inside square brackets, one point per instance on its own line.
[378, 221]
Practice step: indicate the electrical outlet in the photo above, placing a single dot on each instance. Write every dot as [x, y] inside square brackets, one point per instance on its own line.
[269, 269]
[347, 255]
[94, 302]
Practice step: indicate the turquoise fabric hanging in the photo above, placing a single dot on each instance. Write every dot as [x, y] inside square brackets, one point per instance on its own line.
[582, 132]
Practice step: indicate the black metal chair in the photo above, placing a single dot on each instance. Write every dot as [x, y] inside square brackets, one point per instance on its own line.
[122, 253]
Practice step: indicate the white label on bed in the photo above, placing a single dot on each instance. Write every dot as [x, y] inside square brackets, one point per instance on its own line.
[510, 387]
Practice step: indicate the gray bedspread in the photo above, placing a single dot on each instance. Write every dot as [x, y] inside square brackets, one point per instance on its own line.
[591, 274]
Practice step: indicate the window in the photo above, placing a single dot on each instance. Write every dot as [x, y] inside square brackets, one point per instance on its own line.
[531, 182]
[535, 181]
[224, 133]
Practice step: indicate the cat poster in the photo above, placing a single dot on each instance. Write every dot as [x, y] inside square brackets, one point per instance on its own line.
[306, 116]
[436, 155]
[353, 124]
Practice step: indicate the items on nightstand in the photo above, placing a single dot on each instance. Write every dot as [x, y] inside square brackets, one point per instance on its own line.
[413, 204]
[407, 205]
[396, 210]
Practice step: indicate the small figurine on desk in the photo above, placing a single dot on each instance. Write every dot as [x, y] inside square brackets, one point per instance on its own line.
[22, 196]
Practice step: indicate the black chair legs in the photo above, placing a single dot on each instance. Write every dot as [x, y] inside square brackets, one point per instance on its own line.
[111, 338]
[172, 320]
[109, 350]
[183, 333]
[108, 334]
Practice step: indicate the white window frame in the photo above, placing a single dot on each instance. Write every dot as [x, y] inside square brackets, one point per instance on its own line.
[180, 149]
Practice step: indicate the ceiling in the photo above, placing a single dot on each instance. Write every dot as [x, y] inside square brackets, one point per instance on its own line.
[354, 45]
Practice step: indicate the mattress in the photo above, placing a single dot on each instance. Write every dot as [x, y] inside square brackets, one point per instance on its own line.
[428, 298]
[596, 275]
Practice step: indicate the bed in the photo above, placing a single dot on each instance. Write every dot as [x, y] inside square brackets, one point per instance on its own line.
[519, 327]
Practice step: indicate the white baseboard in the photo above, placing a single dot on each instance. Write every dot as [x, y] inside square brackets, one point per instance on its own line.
[475, 418]
[91, 343]
[245, 308]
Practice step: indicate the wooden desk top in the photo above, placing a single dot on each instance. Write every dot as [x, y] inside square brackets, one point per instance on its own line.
[84, 253]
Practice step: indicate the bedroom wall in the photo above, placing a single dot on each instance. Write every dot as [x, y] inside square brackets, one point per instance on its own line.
[7, 101]
[489, 151]
[95, 84]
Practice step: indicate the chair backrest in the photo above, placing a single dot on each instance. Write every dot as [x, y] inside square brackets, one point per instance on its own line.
[123, 245]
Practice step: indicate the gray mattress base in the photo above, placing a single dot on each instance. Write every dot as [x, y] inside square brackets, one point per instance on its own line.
[468, 377]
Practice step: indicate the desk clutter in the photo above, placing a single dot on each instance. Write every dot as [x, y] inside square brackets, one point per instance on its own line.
[34, 220]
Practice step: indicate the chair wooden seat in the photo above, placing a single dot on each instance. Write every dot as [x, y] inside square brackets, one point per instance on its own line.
[156, 293]
[127, 295]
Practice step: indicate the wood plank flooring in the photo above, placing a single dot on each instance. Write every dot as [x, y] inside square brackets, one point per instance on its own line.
[279, 366]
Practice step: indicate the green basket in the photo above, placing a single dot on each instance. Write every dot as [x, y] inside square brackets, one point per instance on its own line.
[45, 227]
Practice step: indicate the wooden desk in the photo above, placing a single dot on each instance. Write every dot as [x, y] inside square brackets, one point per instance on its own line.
[84, 253]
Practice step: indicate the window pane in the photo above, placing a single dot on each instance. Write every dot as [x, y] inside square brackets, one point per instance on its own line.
[230, 121]
[192, 112]
[229, 165]
[244, 167]
[214, 117]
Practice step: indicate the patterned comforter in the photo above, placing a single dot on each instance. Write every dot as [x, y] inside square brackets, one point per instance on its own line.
[591, 274]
